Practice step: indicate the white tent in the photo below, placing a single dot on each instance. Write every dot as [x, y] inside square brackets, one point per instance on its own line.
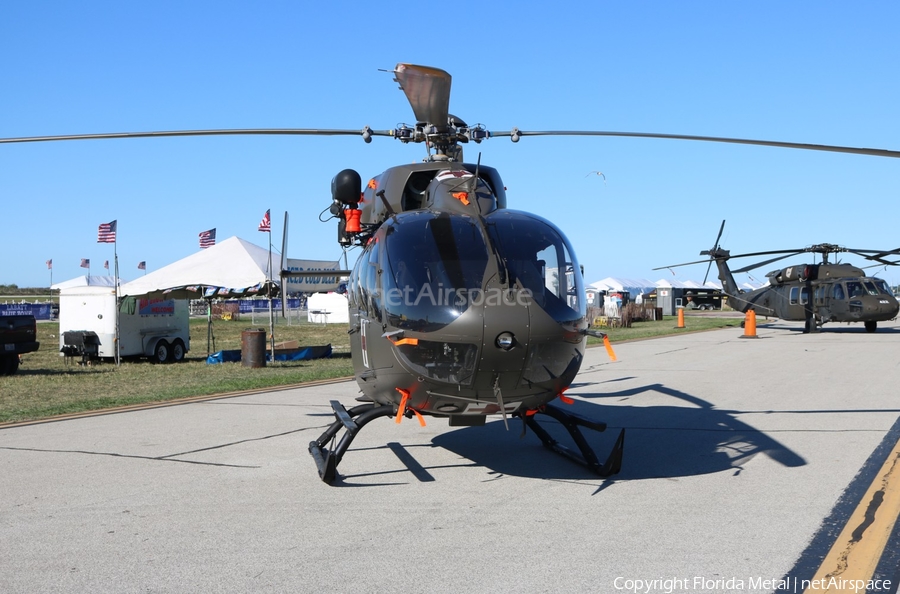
[328, 308]
[87, 281]
[634, 286]
[688, 284]
[231, 268]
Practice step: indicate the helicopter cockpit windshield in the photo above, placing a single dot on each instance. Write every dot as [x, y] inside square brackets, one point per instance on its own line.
[539, 259]
[434, 262]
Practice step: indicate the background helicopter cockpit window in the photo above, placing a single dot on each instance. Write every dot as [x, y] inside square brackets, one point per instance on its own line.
[433, 269]
[855, 289]
[539, 259]
[883, 286]
[870, 287]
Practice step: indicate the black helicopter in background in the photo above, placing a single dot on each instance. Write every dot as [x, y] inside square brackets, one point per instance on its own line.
[461, 308]
[815, 293]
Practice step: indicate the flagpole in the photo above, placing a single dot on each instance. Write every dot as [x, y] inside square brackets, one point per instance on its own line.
[116, 272]
[271, 314]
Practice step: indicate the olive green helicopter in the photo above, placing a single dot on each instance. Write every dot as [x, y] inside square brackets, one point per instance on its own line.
[814, 293]
[460, 308]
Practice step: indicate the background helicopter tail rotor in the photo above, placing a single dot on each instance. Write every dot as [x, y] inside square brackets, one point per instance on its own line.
[713, 251]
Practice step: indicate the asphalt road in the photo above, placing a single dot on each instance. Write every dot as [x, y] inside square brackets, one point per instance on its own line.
[743, 459]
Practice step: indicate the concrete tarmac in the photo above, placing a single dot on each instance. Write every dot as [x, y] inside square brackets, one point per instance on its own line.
[738, 453]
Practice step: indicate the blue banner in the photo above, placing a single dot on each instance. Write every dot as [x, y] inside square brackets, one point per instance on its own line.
[248, 305]
[40, 311]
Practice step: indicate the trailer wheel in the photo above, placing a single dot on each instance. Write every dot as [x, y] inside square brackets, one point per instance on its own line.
[161, 352]
[176, 353]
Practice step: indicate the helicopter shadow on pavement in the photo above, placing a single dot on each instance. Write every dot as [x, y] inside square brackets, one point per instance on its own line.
[660, 441]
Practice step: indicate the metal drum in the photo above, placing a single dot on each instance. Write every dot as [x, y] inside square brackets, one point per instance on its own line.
[253, 347]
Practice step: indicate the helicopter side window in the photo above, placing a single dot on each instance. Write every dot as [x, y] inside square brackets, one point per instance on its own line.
[838, 293]
[795, 294]
[804, 295]
[362, 296]
[855, 289]
[821, 294]
[371, 282]
[352, 294]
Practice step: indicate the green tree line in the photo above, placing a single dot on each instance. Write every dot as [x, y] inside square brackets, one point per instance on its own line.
[16, 290]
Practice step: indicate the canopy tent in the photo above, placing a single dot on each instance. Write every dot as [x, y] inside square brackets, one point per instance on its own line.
[87, 281]
[231, 268]
[634, 286]
[688, 284]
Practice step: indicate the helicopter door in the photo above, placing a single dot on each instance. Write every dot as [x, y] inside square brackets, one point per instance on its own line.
[823, 301]
[799, 298]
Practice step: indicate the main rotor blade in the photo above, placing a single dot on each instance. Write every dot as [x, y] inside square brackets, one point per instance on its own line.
[875, 253]
[428, 91]
[225, 132]
[763, 263]
[794, 145]
[878, 256]
[683, 264]
[770, 253]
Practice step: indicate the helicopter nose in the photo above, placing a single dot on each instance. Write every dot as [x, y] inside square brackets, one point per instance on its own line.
[879, 307]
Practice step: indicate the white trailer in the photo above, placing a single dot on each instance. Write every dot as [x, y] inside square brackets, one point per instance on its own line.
[155, 328]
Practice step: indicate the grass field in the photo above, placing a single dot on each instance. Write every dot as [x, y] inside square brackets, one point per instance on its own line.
[46, 385]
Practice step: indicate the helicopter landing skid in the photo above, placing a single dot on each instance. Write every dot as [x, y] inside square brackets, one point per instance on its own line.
[587, 457]
[327, 458]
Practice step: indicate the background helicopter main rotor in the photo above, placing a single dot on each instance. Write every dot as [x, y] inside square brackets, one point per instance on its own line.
[716, 253]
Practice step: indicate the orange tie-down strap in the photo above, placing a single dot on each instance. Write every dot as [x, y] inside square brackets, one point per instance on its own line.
[401, 410]
[565, 399]
[609, 349]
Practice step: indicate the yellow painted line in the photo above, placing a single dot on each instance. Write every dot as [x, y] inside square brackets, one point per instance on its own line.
[856, 552]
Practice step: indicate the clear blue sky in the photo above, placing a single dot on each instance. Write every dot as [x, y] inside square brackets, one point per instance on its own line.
[816, 72]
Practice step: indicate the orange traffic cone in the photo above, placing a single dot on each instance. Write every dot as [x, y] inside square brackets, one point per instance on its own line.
[750, 325]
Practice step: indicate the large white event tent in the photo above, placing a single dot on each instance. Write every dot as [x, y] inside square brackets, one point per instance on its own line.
[233, 267]
[634, 286]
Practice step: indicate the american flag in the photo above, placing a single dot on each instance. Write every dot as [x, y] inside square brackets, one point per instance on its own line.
[107, 233]
[266, 224]
[208, 238]
[106, 264]
[142, 265]
[50, 263]
[85, 263]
